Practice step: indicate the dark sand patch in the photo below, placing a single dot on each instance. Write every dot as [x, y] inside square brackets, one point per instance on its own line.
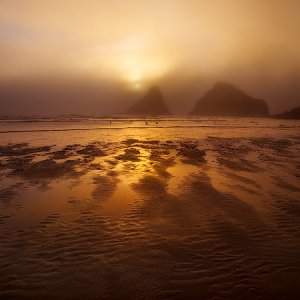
[38, 163]
[130, 154]
[281, 182]
[105, 186]
[279, 145]
[239, 164]
[190, 153]
[130, 142]
[230, 147]
[243, 179]
[21, 149]
[150, 185]
[44, 169]
[240, 187]
[91, 150]
[60, 154]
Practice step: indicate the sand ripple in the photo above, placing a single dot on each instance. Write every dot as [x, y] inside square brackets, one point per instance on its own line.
[225, 225]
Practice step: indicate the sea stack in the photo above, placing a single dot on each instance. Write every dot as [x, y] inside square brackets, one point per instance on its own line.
[151, 104]
[224, 99]
[291, 114]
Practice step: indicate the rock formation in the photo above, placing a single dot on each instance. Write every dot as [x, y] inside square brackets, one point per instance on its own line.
[225, 99]
[151, 104]
[291, 114]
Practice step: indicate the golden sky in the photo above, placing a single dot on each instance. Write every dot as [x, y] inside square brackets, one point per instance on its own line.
[134, 43]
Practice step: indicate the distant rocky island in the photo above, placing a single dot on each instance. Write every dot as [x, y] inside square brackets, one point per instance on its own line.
[151, 104]
[225, 99]
[291, 114]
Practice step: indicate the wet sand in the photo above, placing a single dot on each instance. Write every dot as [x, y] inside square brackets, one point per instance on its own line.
[206, 218]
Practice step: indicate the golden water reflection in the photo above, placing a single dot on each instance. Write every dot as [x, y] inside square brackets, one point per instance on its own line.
[107, 183]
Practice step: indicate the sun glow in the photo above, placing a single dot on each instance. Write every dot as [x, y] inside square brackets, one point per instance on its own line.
[142, 67]
[132, 60]
[137, 85]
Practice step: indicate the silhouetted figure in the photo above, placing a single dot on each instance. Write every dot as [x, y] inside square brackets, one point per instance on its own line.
[109, 122]
[146, 123]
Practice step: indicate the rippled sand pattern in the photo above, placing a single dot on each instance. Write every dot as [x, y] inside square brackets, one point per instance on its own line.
[211, 218]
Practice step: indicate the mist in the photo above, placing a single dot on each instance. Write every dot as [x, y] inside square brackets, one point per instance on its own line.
[98, 57]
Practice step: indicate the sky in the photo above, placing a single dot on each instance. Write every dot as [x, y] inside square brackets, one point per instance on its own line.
[98, 57]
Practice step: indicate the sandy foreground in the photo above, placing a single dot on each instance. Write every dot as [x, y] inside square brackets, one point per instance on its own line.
[211, 218]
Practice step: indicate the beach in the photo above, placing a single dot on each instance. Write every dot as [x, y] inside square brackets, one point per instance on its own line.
[156, 208]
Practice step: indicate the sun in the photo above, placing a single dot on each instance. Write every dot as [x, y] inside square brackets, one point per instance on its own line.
[137, 85]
